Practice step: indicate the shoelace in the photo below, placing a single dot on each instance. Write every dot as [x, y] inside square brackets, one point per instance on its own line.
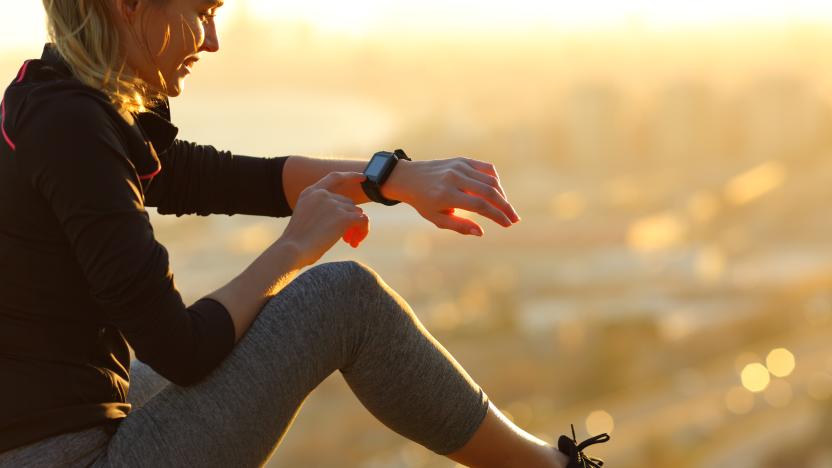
[586, 459]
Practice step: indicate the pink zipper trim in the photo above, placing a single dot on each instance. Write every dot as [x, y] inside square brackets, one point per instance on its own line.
[151, 175]
[20, 75]
[22, 71]
[3, 126]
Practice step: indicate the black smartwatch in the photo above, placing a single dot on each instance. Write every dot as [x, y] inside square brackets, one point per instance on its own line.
[377, 171]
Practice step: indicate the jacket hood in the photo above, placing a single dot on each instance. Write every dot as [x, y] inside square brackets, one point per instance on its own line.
[50, 76]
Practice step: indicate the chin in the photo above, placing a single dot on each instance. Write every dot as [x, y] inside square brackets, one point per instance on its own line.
[175, 89]
[173, 92]
[175, 85]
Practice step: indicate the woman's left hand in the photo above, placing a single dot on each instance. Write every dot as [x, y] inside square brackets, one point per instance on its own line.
[436, 188]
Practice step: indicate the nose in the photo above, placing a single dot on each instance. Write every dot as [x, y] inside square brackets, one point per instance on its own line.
[211, 42]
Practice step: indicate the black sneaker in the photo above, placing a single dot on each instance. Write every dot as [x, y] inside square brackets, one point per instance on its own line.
[577, 458]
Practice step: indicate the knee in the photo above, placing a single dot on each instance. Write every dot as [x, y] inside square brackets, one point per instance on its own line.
[359, 299]
[347, 277]
[355, 282]
[352, 289]
[339, 291]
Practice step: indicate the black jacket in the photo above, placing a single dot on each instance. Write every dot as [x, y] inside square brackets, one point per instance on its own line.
[81, 273]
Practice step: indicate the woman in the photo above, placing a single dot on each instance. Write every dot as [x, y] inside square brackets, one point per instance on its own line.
[87, 145]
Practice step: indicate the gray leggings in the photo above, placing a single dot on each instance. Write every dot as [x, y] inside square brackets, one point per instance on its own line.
[334, 316]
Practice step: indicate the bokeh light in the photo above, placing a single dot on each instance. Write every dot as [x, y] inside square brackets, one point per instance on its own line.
[755, 183]
[739, 400]
[778, 394]
[780, 362]
[755, 377]
[598, 422]
[744, 359]
[656, 232]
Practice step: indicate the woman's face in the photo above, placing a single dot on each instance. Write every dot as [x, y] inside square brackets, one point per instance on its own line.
[171, 34]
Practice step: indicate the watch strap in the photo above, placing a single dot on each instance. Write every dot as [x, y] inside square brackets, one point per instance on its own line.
[401, 155]
[373, 190]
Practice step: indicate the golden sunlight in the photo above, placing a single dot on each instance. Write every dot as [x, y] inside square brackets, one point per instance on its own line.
[25, 28]
[360, 17]
[448, 16]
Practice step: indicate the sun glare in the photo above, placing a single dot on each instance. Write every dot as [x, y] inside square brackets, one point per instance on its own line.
[351, 17]
[451, 15]
[361, 17]
[25, 28]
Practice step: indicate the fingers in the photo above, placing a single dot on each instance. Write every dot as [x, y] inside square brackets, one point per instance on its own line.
[338, 182]
[484, 178]
[323, 193]
[346, 202]
[480, 206]
[484, 167]
[486, 173]
[335, 179]
[340, 209]
[358, 230]
[447, 220]
[361, 232]
[491, 195]
[337, 185]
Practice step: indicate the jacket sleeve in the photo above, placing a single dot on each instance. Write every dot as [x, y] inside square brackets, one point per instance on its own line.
[199, 179]
[72, 153]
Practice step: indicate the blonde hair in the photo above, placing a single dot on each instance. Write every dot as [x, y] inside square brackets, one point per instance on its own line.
[87, 38]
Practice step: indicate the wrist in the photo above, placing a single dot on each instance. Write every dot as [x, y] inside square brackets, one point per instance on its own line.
[290, 251]
[394, 187]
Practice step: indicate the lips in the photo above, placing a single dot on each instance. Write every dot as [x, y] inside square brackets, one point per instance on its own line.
[189, 63]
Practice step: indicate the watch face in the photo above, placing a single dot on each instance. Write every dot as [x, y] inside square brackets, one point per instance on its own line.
[376, 167]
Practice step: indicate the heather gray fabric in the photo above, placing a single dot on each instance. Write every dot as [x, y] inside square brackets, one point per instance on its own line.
[334, 316]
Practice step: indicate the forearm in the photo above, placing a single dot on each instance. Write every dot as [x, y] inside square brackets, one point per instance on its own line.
[199, 179]
[246, 295]
[301, 172]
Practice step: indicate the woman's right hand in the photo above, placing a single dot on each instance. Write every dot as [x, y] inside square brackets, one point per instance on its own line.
[321, 217]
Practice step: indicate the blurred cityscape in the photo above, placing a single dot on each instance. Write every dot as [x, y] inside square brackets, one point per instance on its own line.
[671, 280]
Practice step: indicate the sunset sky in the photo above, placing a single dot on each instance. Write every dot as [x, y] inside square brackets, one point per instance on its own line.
[361, 17]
